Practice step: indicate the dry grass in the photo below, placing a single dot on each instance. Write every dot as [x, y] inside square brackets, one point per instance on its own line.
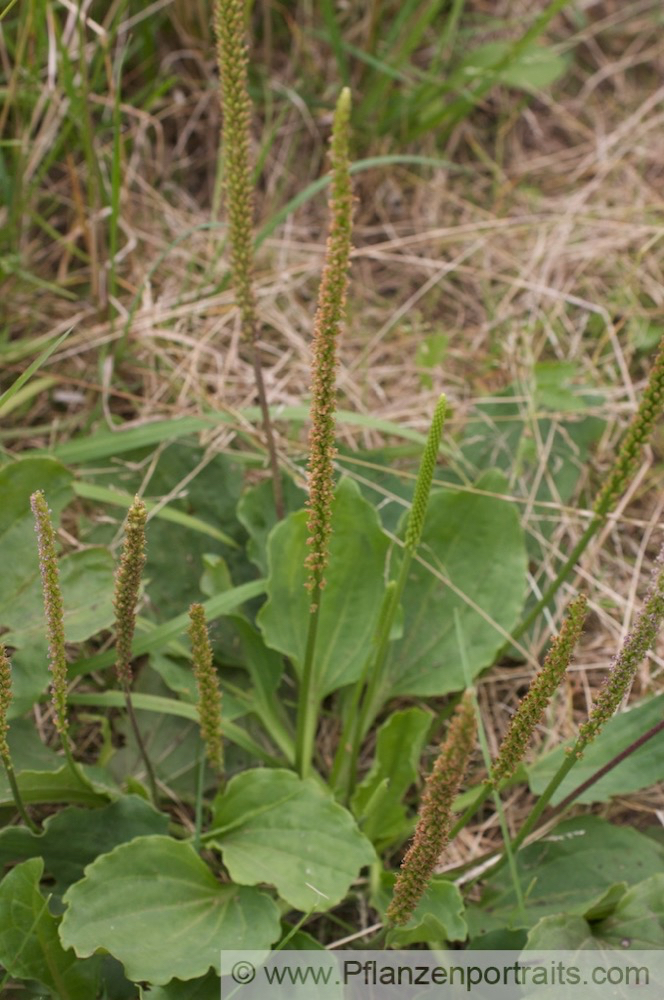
[551, 247]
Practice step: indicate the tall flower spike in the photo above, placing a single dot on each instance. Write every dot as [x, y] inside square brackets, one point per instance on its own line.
[5, 702]
[53, 607]
[625, 664]
[127, 585]
[424, 478]
[209, 692]
[433, 826]
[650, 407]
[533, 706]
[233, 57]
[329, 318]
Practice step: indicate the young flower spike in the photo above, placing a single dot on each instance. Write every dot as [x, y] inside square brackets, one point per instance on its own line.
[127, 585]
[329, 317]
[625, 664]
[433, 826]
[533, 706]
[424, 478]
[626, 463]
[209, 692]
[53, 607]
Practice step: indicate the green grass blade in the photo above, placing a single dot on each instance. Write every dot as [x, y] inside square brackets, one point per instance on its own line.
[32, 368]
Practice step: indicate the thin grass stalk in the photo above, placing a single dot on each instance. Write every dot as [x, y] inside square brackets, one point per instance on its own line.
[233, 58]
[329, 319]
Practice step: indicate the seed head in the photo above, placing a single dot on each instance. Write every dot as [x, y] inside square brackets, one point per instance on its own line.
[329, 318]
[53, 607]
[533, 706]
[127, 586]
[209, 692]
[433, 826]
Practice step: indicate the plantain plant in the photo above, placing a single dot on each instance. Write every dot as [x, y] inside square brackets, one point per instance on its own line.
[267, 782]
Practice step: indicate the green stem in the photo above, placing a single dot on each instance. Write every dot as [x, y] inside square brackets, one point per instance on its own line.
[198, 817]
[18, 798]
[340, 768]
[372, 700]
[539, 807]
[466, 817]
[307, 713]
[561, 577]
[142, 749]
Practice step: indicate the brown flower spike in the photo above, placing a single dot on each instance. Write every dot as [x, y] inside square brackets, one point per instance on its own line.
[433, 826]
[53, 607]
[533, 706]
[127, 586]
[329, 317]
[5, 702]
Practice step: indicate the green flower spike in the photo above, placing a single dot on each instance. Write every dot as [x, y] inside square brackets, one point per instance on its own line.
[424, 479]
[209, 692]
[625, 664]
[53, 607]
[629, 455]
[533, 706]
[433, 826]
[329, 318]
[127, 585]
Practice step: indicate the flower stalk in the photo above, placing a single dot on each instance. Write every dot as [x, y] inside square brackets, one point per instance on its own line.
[125, 599]
[433, 826]
[233, 58]
[624, 467]
[209, 691]
[327, 327]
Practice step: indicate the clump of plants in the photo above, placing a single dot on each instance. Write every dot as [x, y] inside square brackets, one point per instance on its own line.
[271, 783]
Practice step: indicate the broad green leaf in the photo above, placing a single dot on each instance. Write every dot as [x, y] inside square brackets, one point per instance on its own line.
[273, 827]
[86, 578]
[157, 908]
[29, 943]
[439, 916]
[256, 512]
[73, 838]
[377, 802]
[643, 768]
[476, 542]
[569, 871]
[58, 786]
[637, 923]
[351, 600]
